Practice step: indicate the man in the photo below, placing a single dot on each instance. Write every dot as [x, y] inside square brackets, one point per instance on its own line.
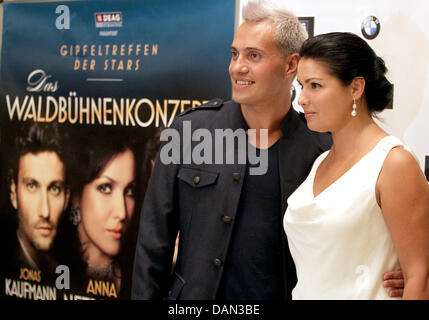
[38, 193]
[232, 245]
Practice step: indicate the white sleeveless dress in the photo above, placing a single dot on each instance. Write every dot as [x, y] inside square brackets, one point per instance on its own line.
[339, 240]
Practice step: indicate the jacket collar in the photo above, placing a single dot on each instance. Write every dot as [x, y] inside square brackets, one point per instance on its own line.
[290, 121]
[236, 117]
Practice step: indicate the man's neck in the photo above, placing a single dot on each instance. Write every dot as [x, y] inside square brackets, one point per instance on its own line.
[266, 117]
[28, 252]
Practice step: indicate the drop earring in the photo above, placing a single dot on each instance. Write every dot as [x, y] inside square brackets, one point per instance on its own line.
[354, 113]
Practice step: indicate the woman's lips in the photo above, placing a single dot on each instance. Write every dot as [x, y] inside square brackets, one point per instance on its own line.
[115, 233]
[309, 114]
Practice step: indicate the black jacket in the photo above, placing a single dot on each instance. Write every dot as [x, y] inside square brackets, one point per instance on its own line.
[204, 208]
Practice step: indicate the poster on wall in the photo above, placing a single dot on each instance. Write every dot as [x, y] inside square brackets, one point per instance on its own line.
[85, 88]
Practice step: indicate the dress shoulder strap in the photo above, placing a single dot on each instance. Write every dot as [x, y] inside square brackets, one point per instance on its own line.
[390, 142]
[385, 145]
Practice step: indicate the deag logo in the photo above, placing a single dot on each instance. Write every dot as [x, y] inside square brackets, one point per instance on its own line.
[108, 19]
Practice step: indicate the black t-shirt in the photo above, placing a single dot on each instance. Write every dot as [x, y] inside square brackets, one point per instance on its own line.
[253, 268]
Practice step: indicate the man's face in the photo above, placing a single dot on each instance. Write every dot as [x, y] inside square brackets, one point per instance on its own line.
[39, 196]
[257, 68]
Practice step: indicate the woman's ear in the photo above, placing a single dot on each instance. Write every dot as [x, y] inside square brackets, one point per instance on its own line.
[291, 65]
[357, 87]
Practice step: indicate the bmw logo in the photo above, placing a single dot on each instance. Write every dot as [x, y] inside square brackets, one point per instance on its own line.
[370, 27]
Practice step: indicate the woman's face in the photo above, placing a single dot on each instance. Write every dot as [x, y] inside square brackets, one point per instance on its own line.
[106, 207]
[326, 101]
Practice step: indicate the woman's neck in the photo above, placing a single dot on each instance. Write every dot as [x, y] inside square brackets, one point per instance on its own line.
[91, 253]
[356, 138]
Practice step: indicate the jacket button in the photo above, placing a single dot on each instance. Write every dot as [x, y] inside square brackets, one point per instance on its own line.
[236, 176]
[197, 179]
[217, 262]
[170, 293]
[227, 219]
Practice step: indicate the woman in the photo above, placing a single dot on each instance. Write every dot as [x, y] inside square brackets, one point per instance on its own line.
[364, 208]
[103, 203]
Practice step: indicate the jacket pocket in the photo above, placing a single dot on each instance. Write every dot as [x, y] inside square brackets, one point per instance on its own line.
[177, 285]
[197, 178]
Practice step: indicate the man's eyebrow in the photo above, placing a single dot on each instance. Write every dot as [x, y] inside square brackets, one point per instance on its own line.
[247, 49]
[253, 49]
[59, 181]
[33, 180]
[29, 179]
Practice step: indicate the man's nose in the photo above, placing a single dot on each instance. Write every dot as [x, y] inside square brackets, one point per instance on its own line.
[239, 65]
[44, 211]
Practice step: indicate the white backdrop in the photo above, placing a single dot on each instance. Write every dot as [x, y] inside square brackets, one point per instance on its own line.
[403, 42]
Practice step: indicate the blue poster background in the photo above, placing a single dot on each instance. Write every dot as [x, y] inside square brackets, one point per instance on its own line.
[102, 70]
[192, 37]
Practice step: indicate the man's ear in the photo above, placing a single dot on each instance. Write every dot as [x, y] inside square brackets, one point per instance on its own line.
[13, 194]
[291, 65]
[357, 87]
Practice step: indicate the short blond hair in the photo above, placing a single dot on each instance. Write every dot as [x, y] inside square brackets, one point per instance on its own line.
[289, 32]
